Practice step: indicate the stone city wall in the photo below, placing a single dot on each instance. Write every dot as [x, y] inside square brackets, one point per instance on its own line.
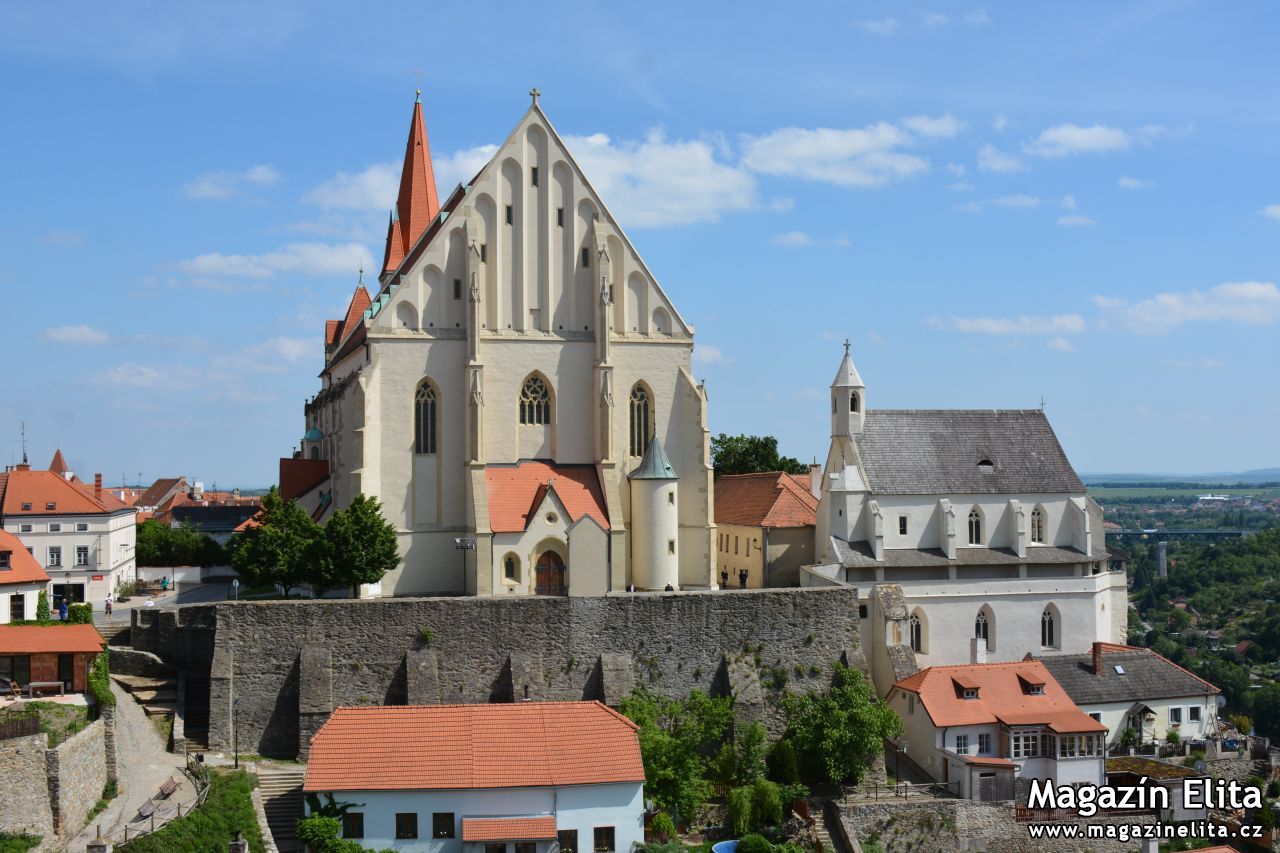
[24, 803]
[289, 663]
[77, 773]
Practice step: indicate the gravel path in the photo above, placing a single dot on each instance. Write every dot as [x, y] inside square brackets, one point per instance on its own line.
[144, 766]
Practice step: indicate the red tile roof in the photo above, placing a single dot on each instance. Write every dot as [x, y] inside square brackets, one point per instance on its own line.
[417, 204]
[331, 332]
[39, 489]
[770, 499]
[299, 476]
[59, 465]
[49, 639]
[1001, 697]
[23, 567]
[508, 828]
[158, 491]
[515, 491]
[449, 747]
[394, 253]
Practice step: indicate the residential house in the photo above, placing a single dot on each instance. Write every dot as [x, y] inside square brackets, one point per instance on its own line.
[765, 526]
[540, 776]
[217, 521]
[1126, 687]
[978, 727]
[49, 654]
[22, 579]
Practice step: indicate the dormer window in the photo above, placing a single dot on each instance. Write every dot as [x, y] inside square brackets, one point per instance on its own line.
[26, 507]
[985, 466]
[971, 693]
[4, 559]
[1035, 689]
[51, 505]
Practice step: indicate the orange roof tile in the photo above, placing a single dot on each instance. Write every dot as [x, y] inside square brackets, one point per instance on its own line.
[449, 747]
[23, 568]
[359, 303]
[508, 828]
[394, 253]
[515, 491]
[158, 491]
[770, 499]
[1001, 697]
[59, 465]
[417, 204]
[33, 492]
[331, 332]
[49, 639]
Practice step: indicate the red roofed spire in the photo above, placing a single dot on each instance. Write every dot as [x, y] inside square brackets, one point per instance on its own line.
[58, 465]
[395, 245]
[355, 310]
[417, 204]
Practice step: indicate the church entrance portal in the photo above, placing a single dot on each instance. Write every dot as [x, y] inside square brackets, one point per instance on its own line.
[549, 575]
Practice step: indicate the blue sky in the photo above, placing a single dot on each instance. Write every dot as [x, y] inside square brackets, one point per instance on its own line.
[995, 202]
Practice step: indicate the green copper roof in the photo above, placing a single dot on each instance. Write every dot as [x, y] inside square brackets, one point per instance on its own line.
[654, 465]
[313, 434]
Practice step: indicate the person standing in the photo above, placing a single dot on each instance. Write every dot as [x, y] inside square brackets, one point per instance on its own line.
[742, 579]
[108, 607]
[62, 610]
[724, 578]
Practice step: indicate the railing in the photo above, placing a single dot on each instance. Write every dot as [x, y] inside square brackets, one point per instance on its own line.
[901, 791]
[1024, 814]
[165, 814]
[19, 724]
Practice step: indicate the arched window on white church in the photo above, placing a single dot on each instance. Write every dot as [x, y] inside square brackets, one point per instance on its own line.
[853, 402]
[1037, 525]
[917, 633]
[1048, 628]
[975, 527]
[424, 420]
[535, 402]
[980, 627]
[641, 419]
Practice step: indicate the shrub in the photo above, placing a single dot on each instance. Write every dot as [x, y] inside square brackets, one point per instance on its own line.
[1129, 738]
[738, 813]
[781, 763]
[19, 843]
[662, 827]
[100, 681]
[1172, 737]
[1190, 760]
[42, 606]
[80, 614]
[1242, 723]
[766, 804]
[753, 844]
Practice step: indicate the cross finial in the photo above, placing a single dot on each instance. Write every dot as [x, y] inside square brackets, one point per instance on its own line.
[361, 279]
[534, 93]
[418, 97]
[846, 346]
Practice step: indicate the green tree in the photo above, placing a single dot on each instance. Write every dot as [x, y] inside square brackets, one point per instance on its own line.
[749, 749]
[286, 548]
[750, 454]
[42, 606]
[158, 544]
[359, 545]
[837, 733]
[782, 765]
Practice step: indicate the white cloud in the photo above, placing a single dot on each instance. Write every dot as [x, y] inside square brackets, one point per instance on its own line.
[133, 375]
[224, 185]
[656, 182]
[1135, 183]
[1059, 324]
[956, 169]
[1075, 220]
[1249, 302]
[933, 20]
[960, 186]
[1068, 202]
[313, 258]
[875, 337]
[881, 27]
[977, 17]
[75, 335]
[796, 239]
[373, 188]
[270, 356]
[808, 394]
[1271, 211]
[1060, 344]
[866, 157]
[942, 127]
[705, 354]
[1069, 139]
[460, 166]
[999, 123]
[990, 159]
[937, 20]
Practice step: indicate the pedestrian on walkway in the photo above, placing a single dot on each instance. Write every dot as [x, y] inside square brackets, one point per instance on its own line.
[724, 578]
[742, 579]
[108, 607]
[62, 610]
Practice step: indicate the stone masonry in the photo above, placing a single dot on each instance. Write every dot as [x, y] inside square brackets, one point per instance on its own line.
[77, 773]
[24, 807]
[48, 792]
[291, 662]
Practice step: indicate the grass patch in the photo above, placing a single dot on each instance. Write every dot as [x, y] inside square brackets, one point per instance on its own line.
[213, 825]
[164, 727]
[10, 843]
[58, 721]
[109, 792]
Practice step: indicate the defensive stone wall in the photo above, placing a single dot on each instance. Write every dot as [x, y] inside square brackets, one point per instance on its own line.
[24, 803]
[49, 792]
[290, 663]
[77, 773]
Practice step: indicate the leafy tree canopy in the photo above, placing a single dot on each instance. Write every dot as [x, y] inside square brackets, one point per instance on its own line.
[750, 454]
[286, 548]
[837, 734]
[359, 545]
[162, 545]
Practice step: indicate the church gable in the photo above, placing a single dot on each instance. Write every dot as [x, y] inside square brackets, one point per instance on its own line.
[529, 239]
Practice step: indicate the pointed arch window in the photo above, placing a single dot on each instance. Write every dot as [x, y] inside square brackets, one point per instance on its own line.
[917, 633]
[1037, 525]
[535, 402]
[853, 401]
[641, 419]
[981, 629]
[975, 527]
[1048, 626]
[424, 420]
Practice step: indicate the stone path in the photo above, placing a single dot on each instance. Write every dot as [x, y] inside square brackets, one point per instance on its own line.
[144, 766]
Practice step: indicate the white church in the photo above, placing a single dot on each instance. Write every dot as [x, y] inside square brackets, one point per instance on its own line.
[968, 534]
[517, 393]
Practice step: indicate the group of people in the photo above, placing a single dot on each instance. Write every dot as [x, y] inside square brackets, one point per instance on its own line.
[724, 581]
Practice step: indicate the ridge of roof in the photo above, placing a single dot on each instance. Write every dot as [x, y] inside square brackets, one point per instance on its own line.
[764, 499]
[58, 464]
[41, 488]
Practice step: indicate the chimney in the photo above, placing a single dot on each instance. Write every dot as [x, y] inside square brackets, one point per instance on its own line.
[977, 650]
[1097, 658]
[815, 480]
[22, 466]
[97, 487]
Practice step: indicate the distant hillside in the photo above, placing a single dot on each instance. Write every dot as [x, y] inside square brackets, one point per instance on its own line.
[1256, 475]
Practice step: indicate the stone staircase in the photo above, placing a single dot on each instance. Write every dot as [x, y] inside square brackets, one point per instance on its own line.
[282, 800]
[114, 628]
[821, 813]
[157, 696]
[196, 714]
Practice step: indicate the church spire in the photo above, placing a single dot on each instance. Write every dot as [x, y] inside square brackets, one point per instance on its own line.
[848, 398]
[417, 205]
[395, 245]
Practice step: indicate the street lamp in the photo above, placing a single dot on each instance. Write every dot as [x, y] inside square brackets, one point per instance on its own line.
[464, 544]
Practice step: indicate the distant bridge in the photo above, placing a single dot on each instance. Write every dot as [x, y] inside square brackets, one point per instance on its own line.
[1170, 533]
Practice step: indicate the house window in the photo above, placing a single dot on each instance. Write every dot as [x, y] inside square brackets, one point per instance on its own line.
[511, 568]
[853, 402]
[1175, 716]
[526, 847]
[535, 402]
[82, 527]
[671, 547]
[1025, 745]
[980, 627]
[902, 525]
[457, 288]
[917, 635]
[984, 744]
[735, 545]
[975, 527]
[603, 839]
[1035, 689]
[1193, 713]
[26, 506]
[15, 668]
[559, 217]
[641, 423]
[4, 559]
[484, 252]
[55, 528]
[17, 607]
[568, 840]
[82, 555]
[511, 215]
[442, 825]
[970, 693]
[55, 555]
[671, 498]
[424, 420]
[862, 611]
[911, 703]
[962, 744]
[586, 256]
[1096, 716]
[1047, 635]
[533, 176]
[1037, 526]
[406, 825]
[353, 825]
[51, 505]
[495, 848]
[24, 528]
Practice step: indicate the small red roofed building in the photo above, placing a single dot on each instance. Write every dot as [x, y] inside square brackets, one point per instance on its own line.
[544, 776]
[765, 526]
[22, 579]
[978, 727]
[47, 655]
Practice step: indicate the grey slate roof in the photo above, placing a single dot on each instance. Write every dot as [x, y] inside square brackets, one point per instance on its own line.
[937, 451]
[1147, 675]
[859, 555]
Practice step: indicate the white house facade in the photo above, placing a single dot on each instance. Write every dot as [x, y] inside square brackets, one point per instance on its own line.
[515, 324]
[22, 579]
[503, 778]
